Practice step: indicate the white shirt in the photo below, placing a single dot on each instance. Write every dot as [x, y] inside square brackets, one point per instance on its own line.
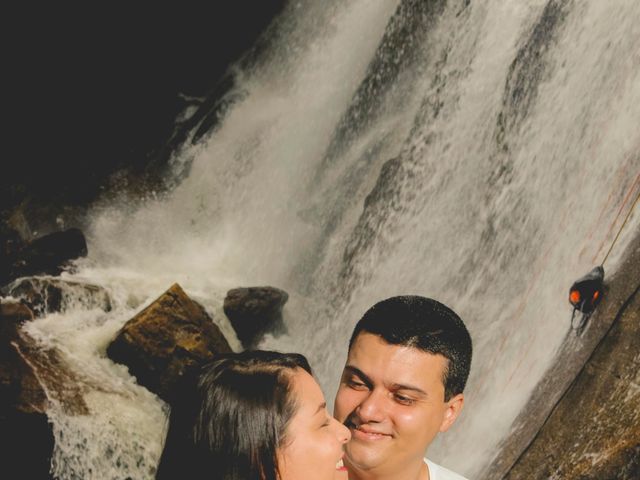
[436, 472]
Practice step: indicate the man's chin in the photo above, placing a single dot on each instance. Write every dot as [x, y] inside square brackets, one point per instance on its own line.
[363, 455]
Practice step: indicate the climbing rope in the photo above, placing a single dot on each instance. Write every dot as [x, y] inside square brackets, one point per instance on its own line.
[623, 223]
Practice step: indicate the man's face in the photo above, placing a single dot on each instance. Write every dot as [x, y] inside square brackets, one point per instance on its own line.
[392, 400]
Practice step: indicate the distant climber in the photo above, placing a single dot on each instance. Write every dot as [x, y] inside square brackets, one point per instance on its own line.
[585, 294]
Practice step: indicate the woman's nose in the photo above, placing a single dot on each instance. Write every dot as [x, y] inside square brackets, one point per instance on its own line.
[344, 435]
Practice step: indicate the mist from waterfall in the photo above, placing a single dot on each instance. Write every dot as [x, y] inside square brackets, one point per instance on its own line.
[473, 152]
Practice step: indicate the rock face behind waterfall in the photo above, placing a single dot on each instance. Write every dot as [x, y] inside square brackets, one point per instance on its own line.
[594, 429]
[171, 336]
[253, 311]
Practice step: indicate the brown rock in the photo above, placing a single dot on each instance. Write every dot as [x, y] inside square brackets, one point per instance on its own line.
[168, 338]
[60, 383]
[253, 311]
[24, 426]
[19, 388]
[30, 373]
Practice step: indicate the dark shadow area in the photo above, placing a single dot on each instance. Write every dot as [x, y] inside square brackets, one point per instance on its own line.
[92, 90]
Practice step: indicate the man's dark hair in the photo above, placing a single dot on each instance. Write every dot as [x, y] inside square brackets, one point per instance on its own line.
[425, 324]
[229, 419]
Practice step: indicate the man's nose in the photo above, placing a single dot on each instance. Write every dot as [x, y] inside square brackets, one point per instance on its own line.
[371, 409]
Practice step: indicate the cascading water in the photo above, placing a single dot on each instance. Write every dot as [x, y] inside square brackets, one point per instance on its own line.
[473, 152]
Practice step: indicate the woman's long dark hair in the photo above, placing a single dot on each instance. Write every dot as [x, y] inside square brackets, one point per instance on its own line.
[228, 420]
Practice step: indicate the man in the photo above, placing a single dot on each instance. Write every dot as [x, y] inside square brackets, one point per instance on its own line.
[408, 362]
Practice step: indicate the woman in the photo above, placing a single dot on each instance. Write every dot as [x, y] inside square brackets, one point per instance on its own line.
[252, 415]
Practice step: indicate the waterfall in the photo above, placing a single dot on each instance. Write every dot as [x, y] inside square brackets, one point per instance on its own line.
[473, 152]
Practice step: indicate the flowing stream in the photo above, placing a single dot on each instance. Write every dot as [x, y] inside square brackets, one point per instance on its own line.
[476, 152]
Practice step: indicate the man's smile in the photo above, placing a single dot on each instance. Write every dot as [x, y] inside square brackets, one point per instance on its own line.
[366, 432]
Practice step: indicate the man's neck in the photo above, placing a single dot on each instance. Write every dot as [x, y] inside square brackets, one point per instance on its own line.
[413, 471]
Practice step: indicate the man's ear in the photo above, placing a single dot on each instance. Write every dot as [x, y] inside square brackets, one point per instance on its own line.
[454, 407]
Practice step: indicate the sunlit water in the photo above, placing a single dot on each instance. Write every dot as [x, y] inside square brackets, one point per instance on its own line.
[478, 154]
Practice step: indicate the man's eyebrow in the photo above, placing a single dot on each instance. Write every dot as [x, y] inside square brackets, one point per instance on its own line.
[403, 386]
[396, 386]
[321, 407]
[359, 373]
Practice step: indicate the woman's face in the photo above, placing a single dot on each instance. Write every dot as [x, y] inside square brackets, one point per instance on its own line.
[313, 439]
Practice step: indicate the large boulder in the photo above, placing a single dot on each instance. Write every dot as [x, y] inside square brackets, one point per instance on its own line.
[167, 339]
[47, 255]
[254, 311]
[48, 295]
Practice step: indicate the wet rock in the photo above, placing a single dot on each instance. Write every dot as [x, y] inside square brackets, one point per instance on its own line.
[47, 255]
[29, 377]
[48, 295]
[167, 339]
[593, 432]
[59, 382]
[19, 387]
[31, 374]
[23, 422]
[253, 311]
